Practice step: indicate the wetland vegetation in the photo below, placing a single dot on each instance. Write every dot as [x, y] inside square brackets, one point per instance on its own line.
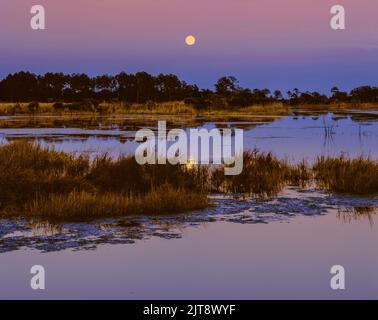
[41, 182]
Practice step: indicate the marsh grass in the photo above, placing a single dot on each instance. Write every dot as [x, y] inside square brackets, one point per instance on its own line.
[274, 109]
[90, 106]
[299, 175]
[338, 106]
[263, 175]
[27, 170]
[37, 181]
[41, 182]
[175, 107]
[345, 175]
[25, 108]
[81, 206]
[149, 107]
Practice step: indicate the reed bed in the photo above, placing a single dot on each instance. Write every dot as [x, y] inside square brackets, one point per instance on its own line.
[42, 182]
[38, 181]
[263, 175]
[164, 108]
[345, 175]
[83, 205]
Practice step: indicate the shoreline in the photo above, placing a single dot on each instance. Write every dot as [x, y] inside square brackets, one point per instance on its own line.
[178, 108]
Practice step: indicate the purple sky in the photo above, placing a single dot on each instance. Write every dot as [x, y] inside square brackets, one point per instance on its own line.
[264, 43]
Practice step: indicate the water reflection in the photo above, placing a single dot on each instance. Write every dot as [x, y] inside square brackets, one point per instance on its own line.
[124, 122]
[291, 203]
[357, 213]
[315, 133]
[303, 135]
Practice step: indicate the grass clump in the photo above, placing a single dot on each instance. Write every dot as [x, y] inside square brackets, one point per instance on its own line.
[28, 170]
[263, 175]
[86, 206]
[37, 181]
[173, 107]
[41, 182]
[345, 175]
[298, 174]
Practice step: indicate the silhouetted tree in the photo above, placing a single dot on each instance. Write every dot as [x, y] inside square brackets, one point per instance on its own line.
[277, 95]
[338, 96]
[52, 86]
[364, 94]
[226, 85]
[104, 86]
[86, 92]
[22, 86]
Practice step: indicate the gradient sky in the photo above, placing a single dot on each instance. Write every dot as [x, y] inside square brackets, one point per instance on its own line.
[264, 43]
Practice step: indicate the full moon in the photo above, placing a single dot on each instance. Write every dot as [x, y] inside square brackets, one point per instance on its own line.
[190, 40]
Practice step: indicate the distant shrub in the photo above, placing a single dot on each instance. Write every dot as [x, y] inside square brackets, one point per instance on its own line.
[33, 107]
[58, 106]
[89, 105]
[104, 108]
[74, 107]
[198, 103]
[17, 109]
[219, 102]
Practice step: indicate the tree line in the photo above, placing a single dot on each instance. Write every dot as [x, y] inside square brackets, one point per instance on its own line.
[143, 87]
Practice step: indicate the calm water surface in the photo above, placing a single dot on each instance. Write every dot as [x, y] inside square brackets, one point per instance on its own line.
[242, 249]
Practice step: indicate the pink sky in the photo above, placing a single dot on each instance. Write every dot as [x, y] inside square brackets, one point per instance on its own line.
[263, 42]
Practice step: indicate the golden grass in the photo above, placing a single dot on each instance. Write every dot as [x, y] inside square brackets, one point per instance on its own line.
[345, 175]
[263, 175]
[41, 182]
[27, 170]
[32, 176]
[298, 174]
[164, 200]
[338, 106]
[161, 108]
[22, 108]
[175, 107]
[275, 109]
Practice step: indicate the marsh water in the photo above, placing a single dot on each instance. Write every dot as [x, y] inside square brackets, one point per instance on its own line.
[236, 249]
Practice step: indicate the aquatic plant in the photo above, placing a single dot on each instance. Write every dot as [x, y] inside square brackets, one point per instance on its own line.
[42, 182]
[345, 175]
[79, 206]
[263, 175]
[299, 174]
[28, 169]
[36, 181]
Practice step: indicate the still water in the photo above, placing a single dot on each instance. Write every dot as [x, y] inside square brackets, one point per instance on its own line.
[237, 249]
